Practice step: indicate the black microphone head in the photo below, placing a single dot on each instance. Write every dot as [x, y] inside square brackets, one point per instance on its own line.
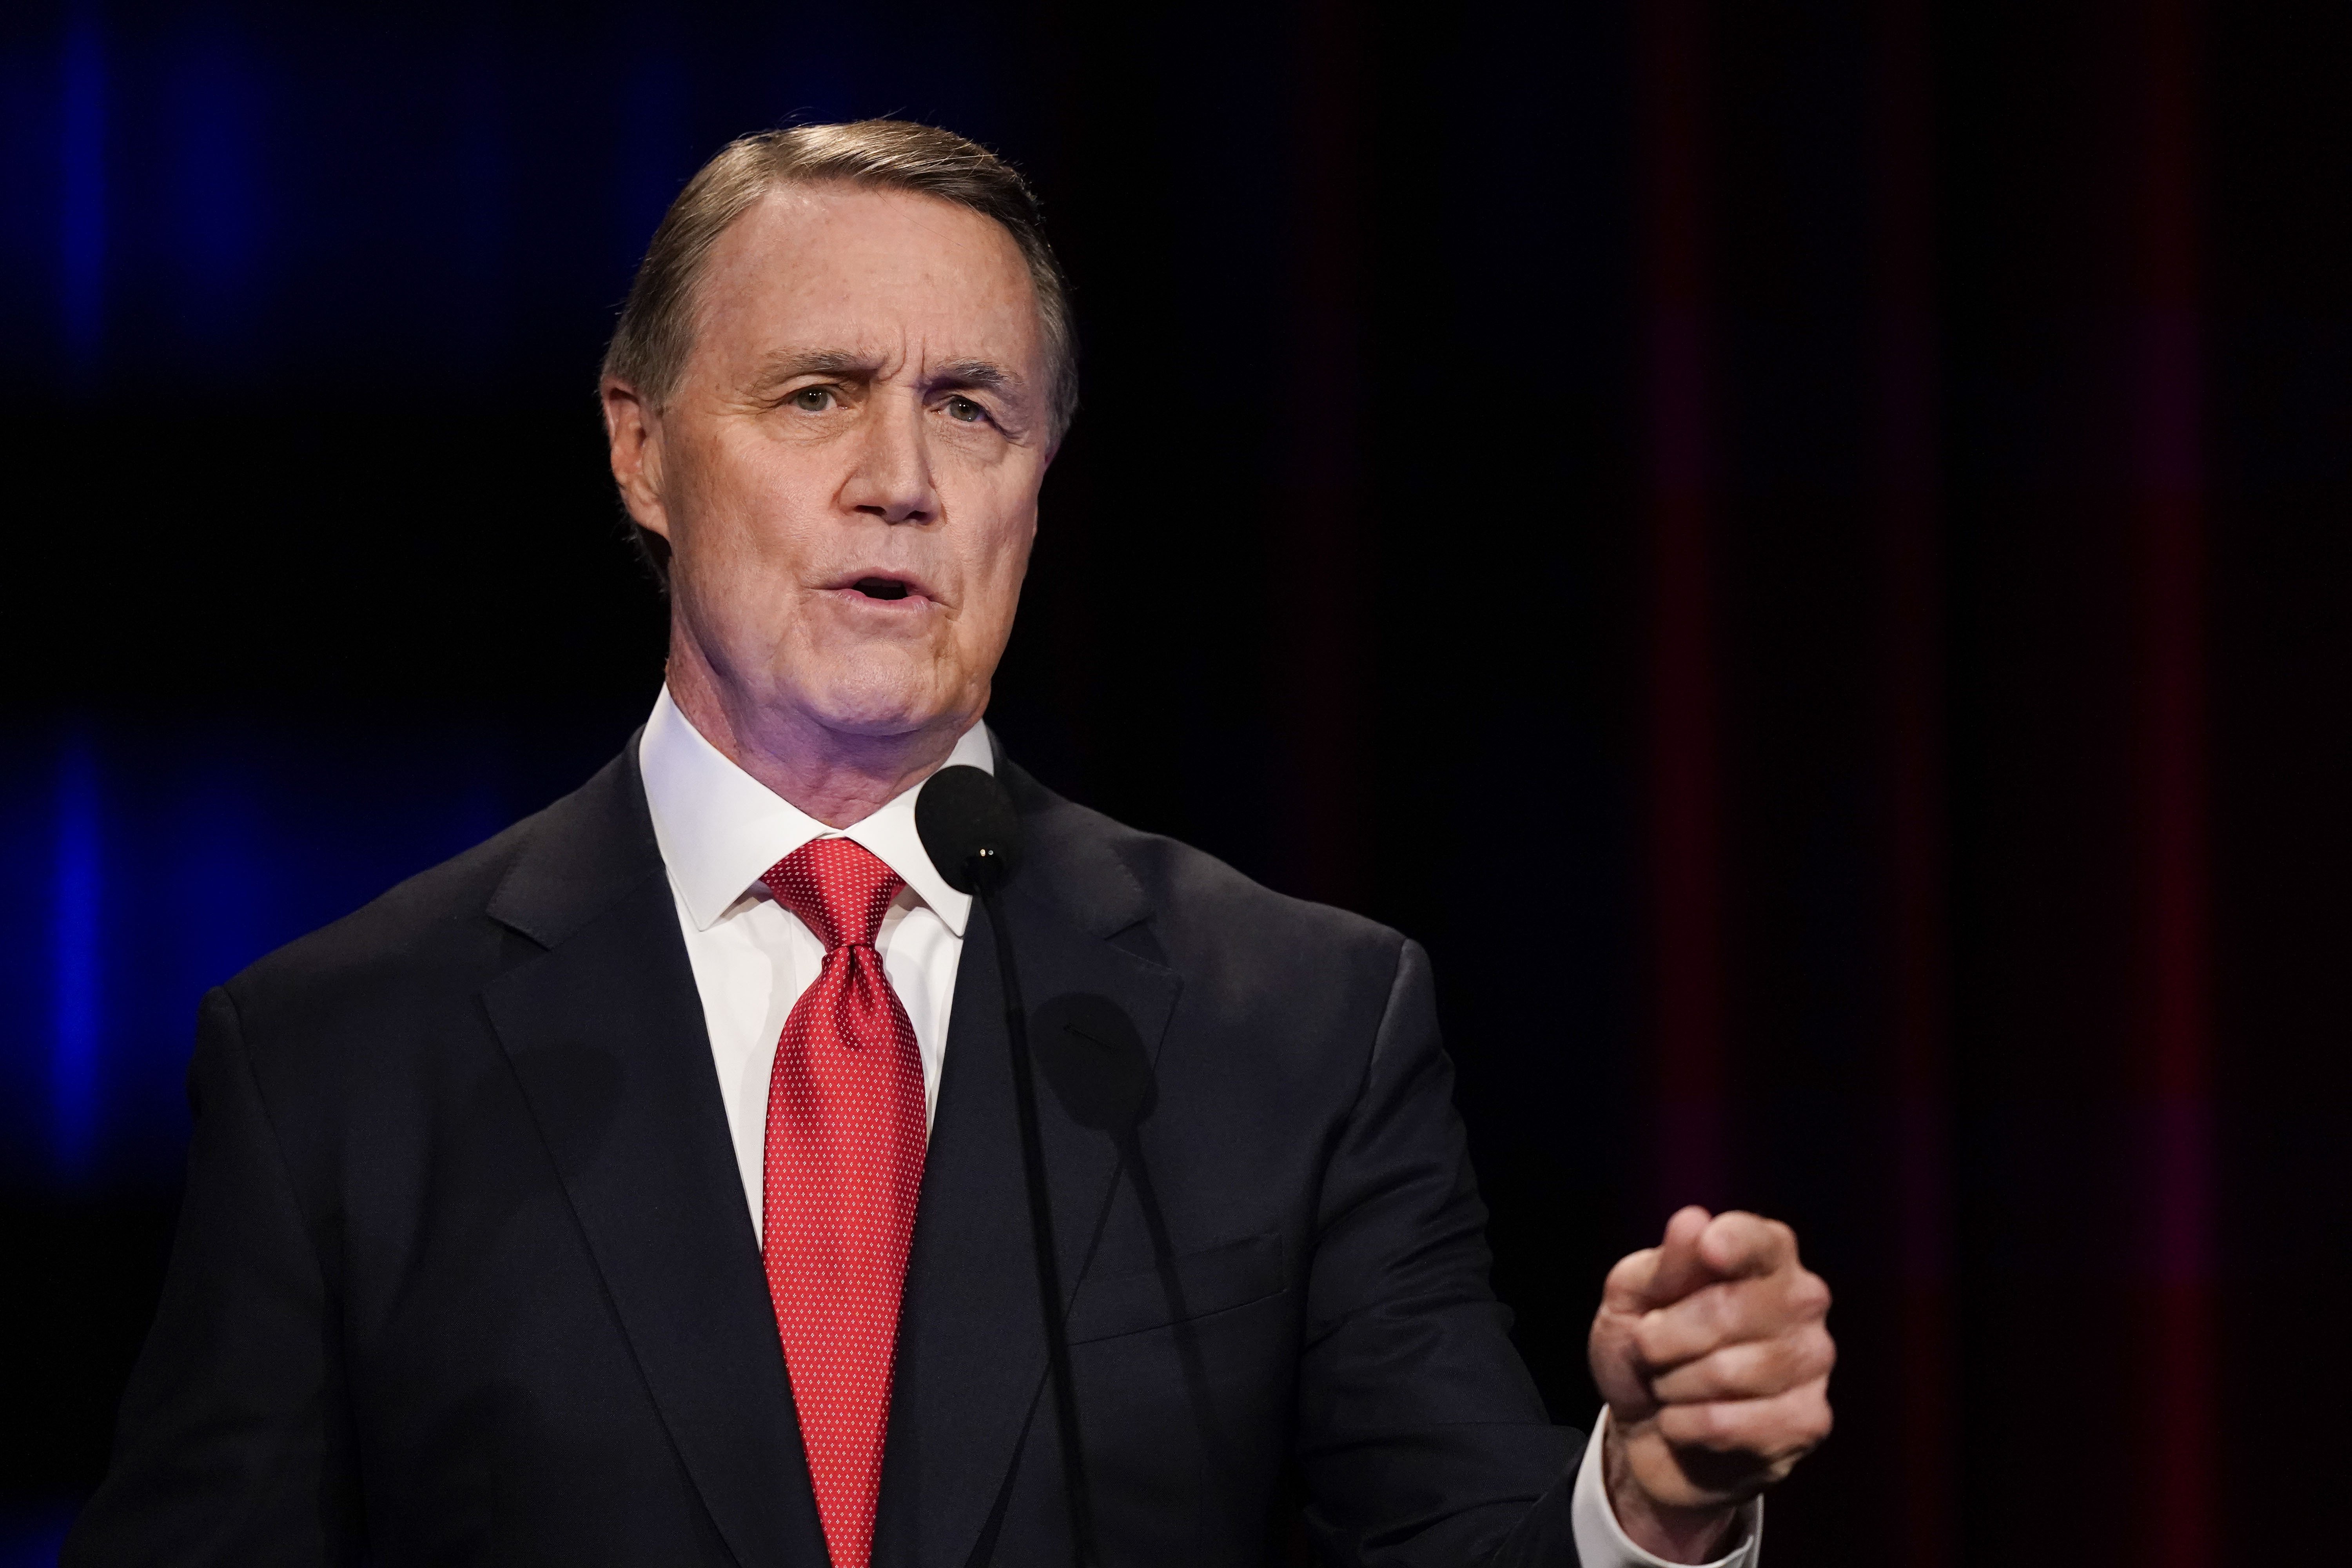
[967, 825]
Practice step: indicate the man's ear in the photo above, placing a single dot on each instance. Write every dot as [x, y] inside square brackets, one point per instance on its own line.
[633, 434]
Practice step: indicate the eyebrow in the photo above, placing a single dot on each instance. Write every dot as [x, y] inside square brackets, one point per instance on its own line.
[786, 364]
[980, 373]
[984, 374]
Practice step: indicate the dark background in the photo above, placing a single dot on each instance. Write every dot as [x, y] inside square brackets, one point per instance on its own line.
[1800, 547]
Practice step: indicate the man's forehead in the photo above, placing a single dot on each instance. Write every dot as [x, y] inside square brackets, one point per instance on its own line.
[818, 239]
[833, 270]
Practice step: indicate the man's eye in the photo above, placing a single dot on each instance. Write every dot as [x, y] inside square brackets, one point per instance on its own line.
[965, 410]
[811, 399]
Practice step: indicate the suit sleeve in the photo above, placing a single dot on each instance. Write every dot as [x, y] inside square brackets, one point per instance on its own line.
[230, 1445]
[1422, 1440]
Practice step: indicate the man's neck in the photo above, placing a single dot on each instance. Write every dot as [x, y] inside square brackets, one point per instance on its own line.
[838, 779]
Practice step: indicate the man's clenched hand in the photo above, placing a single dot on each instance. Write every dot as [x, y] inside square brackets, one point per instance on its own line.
[1712, 1353]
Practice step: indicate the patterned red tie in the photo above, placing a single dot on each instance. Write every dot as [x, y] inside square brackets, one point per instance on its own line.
[844, 1161]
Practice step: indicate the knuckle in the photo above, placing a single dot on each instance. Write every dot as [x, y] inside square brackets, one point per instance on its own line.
[1716, 1376]
[1740, 1366]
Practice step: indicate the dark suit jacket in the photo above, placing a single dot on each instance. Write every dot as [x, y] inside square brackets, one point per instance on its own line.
[465, 1273]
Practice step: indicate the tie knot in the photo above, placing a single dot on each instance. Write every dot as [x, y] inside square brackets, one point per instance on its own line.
[839, 889]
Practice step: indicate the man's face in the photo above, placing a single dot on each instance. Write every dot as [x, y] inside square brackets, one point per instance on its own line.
[847, 474]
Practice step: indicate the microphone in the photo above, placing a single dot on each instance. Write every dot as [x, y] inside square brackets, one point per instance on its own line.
[969, 829]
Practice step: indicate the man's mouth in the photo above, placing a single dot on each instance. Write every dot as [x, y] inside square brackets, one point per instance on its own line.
[902, 590]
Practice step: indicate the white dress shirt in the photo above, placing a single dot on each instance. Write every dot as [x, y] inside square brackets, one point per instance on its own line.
[719, 828]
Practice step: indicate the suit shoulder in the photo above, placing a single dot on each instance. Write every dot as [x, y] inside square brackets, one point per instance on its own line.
[1293, 992]
[421, 923]
[1193, 897]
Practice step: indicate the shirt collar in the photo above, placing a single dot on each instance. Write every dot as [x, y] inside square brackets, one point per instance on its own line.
[719, 829]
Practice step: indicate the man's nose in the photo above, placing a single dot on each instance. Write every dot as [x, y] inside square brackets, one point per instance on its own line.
[892, 477]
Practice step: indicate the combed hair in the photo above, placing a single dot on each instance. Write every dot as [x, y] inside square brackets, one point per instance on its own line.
[656, 332]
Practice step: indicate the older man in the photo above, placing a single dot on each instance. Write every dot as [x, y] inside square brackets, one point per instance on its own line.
[642, 1186]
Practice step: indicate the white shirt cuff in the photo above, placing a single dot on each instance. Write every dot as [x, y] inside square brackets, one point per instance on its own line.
[1602, 1541]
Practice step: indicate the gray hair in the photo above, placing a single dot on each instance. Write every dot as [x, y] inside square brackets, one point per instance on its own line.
[655, 332]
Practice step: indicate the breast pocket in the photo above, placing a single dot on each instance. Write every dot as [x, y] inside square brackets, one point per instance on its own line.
[1189, 1286]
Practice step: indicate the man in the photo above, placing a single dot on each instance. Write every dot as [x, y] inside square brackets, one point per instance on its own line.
[642, 1187]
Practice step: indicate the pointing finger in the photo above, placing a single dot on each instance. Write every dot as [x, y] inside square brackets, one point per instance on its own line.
[1633, 1287]
[1626, 1291]
[1680, 1269]
[1736, 1244]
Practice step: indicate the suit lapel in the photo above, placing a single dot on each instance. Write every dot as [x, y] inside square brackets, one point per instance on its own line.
[971, 1354]
[605, 1030]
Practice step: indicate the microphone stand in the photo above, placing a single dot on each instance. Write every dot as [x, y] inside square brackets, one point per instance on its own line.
[984, 868]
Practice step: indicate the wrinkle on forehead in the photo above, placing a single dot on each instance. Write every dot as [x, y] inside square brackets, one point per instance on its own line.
[838, 267]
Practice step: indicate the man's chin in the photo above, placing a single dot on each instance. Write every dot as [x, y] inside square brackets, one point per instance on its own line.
[885, 711]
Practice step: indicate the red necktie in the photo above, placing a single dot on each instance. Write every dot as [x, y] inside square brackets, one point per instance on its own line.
[844, 1161]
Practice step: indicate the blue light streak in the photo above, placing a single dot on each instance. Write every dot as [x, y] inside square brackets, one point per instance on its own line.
[76, 890]
[81, 227]
[32, 1538]
[213, 101]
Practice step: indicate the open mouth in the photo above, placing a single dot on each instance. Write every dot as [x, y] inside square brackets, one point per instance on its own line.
[879, 587]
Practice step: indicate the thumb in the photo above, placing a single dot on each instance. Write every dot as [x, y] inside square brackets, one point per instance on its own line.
[1680, 1270]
